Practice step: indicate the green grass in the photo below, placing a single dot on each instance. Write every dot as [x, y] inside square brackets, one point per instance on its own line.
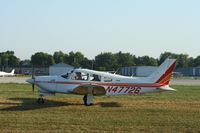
[166, 112]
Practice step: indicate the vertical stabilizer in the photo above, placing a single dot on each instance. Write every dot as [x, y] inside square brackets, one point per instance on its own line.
[163, 74]
[12, 72]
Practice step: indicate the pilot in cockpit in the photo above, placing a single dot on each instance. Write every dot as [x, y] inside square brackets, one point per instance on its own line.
[78, 76]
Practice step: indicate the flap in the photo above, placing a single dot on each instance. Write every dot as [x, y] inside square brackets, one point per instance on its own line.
[90, 89]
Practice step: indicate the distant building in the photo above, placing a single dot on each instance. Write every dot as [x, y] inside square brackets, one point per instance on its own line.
[141, 71]
[190, 71]
[60, 68]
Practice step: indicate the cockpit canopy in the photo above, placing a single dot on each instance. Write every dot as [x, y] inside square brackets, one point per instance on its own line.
[87, 75]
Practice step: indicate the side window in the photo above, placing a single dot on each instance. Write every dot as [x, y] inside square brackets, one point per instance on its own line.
[107, 79]
[73, 76]
[84, 76]
[96, 77]
[79, 76]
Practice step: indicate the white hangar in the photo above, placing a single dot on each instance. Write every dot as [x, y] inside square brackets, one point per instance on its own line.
[141, 71]
[60, 68]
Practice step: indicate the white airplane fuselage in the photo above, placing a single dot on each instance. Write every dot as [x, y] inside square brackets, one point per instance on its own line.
[57, 84]
[2, 74]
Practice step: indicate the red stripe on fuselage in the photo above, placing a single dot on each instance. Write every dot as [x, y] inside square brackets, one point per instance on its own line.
[107, 84]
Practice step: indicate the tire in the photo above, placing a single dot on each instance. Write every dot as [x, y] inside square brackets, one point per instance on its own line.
[85, 99]
[40, 101]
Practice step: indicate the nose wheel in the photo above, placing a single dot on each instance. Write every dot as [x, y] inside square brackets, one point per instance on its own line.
[40, 100]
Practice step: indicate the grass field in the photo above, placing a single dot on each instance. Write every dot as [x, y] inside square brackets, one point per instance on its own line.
[167, 112]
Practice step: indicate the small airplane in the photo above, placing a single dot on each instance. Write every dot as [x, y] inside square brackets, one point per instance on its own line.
[12, 73]
[92, 83]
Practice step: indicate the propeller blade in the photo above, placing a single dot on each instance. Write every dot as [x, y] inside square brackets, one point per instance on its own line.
[33, 78]
[33, 87]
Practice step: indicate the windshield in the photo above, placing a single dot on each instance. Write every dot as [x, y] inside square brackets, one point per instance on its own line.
[66, 76]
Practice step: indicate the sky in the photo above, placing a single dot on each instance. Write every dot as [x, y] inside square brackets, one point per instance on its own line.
[141, 27]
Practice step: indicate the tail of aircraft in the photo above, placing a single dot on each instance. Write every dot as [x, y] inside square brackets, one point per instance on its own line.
[12, 72]
[163, 74]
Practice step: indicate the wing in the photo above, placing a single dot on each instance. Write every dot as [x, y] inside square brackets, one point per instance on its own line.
[90, 89]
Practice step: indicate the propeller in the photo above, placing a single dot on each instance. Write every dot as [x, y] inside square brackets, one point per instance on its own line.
[33, 84]
[32, 81]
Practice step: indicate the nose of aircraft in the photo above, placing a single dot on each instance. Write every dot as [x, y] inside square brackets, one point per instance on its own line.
[31, 81]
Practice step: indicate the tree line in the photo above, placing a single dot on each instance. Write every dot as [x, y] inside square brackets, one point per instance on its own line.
[105, 61]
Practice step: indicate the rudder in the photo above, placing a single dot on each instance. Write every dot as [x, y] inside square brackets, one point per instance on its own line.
[163, 74]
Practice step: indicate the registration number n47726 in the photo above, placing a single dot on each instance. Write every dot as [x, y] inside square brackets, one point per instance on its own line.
[123, 90]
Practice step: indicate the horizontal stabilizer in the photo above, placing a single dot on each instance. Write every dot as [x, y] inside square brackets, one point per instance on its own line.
[166, 88]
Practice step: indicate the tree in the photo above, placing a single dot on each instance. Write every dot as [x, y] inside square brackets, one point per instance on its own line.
[147, 61]
[42, 59]
[182, 60]
[166, 55]
[86, 63]
[125, 59]
[8, 58]
[58, 56]
[106, 62]
[71, 59]
[197, 61]
[13, 60]
[190, 62]
[50, 60]
[25, 63]
[78, 59]
[75, 59]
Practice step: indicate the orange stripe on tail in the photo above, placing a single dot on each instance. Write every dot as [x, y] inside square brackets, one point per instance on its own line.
[165, 78]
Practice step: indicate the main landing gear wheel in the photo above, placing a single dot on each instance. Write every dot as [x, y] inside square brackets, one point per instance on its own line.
[40, 100]
[87, 99]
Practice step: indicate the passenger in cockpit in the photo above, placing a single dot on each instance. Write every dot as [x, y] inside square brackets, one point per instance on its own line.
[96, 78]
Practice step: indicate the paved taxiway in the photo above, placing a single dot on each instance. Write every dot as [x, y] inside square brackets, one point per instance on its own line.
[13, 79]
[195, 82]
